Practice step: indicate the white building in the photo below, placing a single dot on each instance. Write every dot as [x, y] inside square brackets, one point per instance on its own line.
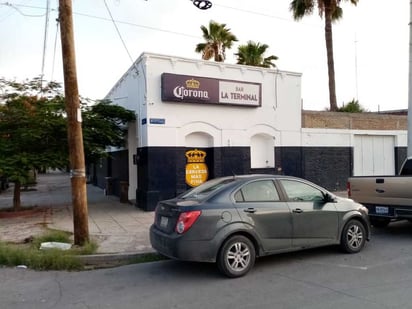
[245, 119]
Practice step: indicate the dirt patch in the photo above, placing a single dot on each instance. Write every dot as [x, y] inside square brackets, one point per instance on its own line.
[24, 212]
[17, 227]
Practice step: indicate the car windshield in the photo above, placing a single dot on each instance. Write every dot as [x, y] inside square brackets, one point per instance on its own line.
[206, 188]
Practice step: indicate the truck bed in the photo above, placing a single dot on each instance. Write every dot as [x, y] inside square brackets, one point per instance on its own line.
[386, 197]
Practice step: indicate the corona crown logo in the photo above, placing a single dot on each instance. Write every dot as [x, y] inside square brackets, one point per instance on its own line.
[192, 83]
[195, 156]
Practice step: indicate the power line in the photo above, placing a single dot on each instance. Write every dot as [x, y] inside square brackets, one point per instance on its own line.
[46, 28]
[253, 12]
[118, 32]
[170, 31]
[115, 22]
[120, 36]
[110, 20]
[137, 25]
[15, 7]
[265, 15]
[54, 50]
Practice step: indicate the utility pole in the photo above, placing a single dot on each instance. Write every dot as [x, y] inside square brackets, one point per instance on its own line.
[74, 127]
[409, 152]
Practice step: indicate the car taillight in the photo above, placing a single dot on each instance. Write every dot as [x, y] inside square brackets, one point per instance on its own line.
[348, 189]
[186, 220]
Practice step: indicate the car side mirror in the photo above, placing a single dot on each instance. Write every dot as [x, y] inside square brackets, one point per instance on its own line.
[328, 198]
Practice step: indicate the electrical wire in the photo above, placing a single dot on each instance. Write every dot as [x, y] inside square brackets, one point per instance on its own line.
[169, 31]
[46, 28]
[137, 25]
[115, 22]
[54, 50]
[120, 36]
[253, 12]
[13, 6]
[265, 15]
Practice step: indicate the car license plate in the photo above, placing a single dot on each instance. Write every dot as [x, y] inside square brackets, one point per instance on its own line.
[164, 221]
[382, 210]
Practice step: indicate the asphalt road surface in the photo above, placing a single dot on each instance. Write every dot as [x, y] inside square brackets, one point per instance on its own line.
[378, 277]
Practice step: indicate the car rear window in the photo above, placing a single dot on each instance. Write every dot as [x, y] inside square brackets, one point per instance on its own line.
[206, 188]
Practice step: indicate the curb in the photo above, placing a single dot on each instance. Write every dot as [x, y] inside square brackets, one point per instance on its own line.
[115, 258]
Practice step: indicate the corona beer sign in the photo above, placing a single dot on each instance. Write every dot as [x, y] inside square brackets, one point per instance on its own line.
[196, 168]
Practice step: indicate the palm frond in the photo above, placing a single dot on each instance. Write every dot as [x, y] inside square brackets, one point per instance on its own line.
[217, 38]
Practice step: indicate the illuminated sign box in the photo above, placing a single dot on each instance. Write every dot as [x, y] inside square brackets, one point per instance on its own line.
[203, 90]
[196, 168]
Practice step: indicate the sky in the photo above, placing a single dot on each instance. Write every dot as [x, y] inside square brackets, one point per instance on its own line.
[371, 43]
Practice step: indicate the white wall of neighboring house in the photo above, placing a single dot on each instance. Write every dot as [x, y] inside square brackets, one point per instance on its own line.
[373, 149]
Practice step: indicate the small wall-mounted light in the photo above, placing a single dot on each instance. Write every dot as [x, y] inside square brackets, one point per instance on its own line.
[202, 4]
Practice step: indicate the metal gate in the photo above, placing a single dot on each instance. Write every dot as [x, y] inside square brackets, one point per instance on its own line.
[374, 155]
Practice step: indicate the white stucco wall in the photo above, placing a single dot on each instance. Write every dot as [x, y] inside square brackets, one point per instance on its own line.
[139, 89]
[228, 124]
[279, 116]
[319, 137]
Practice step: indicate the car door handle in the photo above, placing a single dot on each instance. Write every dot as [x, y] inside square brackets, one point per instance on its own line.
[380, 190]
[250, 210]
[297, 211]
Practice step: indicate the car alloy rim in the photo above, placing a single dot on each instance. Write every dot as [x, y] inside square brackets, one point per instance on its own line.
[238, 256]
[355, 236]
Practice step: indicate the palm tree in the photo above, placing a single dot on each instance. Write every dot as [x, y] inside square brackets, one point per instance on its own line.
[217, 38]
[252, 54]
[331, 10]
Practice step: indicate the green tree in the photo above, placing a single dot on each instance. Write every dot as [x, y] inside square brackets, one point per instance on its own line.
[352, 107]
[331, 11]
[217, 38]
[253, 54]
[104, 125]
[33, 130]
[32, 135]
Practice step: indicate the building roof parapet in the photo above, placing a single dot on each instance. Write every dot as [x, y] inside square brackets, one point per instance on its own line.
[353, 121]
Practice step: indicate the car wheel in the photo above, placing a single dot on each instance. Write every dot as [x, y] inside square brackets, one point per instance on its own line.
[236, 257]
[353, 236]
[380, 222]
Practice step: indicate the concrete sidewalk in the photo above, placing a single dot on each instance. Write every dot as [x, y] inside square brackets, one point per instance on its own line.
[118, 228]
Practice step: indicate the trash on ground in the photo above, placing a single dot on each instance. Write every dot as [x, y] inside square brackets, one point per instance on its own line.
[55, 245]
[21, 267]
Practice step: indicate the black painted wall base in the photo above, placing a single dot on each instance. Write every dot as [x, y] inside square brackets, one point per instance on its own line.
[328, 167]
[161, 170]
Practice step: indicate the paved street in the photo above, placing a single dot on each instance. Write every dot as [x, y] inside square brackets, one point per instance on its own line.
[378, 277]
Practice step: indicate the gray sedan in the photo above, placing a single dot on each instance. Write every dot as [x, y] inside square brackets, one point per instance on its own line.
[232, 220]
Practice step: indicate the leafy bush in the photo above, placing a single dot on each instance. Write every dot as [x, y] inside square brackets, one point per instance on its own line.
[352, 107]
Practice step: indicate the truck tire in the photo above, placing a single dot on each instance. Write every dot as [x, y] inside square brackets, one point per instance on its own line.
[353, 236]
[380, 222]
